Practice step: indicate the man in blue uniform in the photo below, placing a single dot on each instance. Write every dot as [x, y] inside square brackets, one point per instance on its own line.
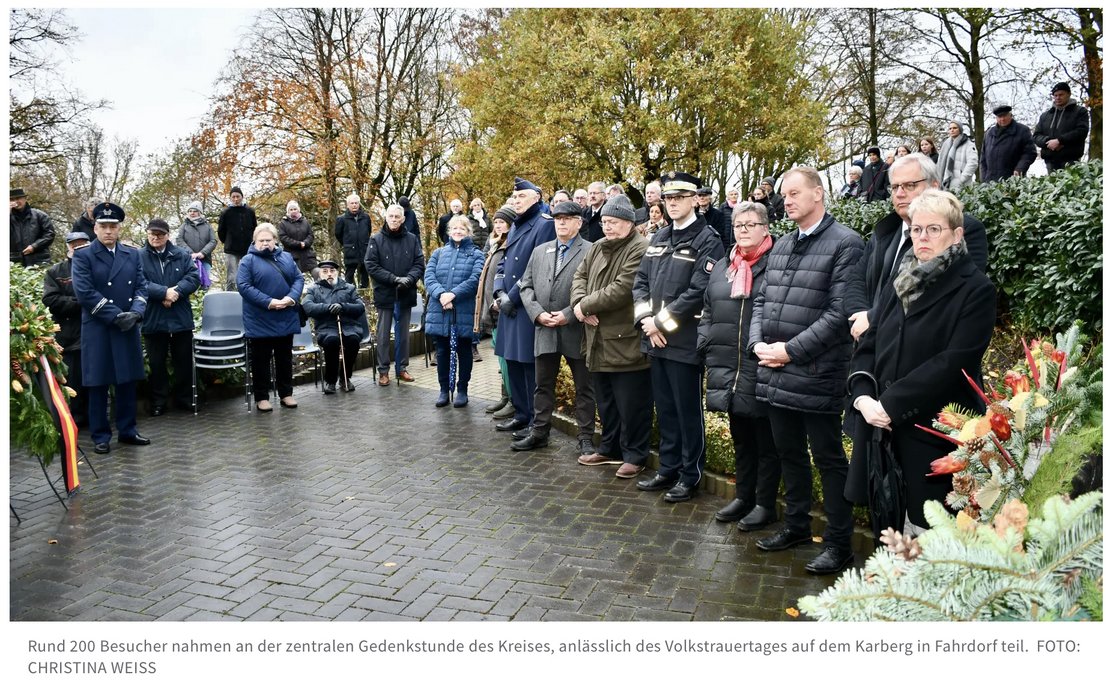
[516, 333]
[109, 283]
[668, 295]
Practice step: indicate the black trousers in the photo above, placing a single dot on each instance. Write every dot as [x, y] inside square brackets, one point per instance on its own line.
[280, 348]
[678, 402]
[792, 429]
[543, 402]
[359, 269]
[443, 362]
[330, 344]
[79, 403]
[178, 346]
[625, 407]
[758, 469]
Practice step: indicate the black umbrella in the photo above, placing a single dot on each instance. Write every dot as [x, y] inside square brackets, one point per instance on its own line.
[874, 476]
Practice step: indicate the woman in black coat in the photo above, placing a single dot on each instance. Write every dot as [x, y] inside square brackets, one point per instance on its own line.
[934, 320]
[730, 369]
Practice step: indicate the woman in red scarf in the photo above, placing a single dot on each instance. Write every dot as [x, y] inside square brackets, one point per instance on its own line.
[730, 370]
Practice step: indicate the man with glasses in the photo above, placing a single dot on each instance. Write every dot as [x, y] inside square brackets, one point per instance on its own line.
[798, 335]
[591, 219]
[910, 176]
[516, 334]
[668, 297]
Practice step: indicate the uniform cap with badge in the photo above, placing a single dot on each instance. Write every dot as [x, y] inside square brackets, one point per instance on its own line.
[108, 212]
[679, 183]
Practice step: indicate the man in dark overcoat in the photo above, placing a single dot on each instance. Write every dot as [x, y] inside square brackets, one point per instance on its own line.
[395, 262]
[1008, 148]
[58, 295]
[516, 333]
[109, 282]
[545, 292]
[352, 231]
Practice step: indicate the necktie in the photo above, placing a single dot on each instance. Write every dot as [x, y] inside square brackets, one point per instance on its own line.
[561, 259]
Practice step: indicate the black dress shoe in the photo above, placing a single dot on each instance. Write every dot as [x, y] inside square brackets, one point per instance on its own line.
[158, 410]
[655, 484]
[830, 561]
[512, 425]
[329, 388]
[760, 517]
[135, 439]
[735, 510]
[521, 434]
[102, 448]
[533, 441]
[680, 492]
[784, 539]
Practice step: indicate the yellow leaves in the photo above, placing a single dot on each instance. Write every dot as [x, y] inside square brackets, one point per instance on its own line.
[965, 523]
[793, 612]
[17, 386]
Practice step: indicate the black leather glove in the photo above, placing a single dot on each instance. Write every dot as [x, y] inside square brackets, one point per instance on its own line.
[335, 308]
[506, 304]
[125, 321]
[402, 282]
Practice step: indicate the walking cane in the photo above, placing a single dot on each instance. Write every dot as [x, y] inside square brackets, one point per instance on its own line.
[342, 358]
[454, 361]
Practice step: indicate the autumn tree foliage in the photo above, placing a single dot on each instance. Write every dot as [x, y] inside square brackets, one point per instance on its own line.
[624, 95]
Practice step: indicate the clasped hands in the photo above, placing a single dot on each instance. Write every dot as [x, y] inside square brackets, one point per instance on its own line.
[590, 319]
[873, 412]
[772, 355]
[285, 302]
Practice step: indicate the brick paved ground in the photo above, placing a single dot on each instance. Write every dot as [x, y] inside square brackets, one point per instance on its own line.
[375, 505]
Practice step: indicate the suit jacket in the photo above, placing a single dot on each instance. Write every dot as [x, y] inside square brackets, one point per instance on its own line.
[106, 286]
[541, 290]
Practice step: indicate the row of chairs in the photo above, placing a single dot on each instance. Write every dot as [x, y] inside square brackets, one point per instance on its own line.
[221, 341]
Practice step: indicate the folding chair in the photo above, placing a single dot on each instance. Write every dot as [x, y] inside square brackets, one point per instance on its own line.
[304, 343]
[221, 342]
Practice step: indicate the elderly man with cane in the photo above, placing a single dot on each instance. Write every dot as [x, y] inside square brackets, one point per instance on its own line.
[340, 324]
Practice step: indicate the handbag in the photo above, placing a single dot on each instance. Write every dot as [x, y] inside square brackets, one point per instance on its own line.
[205, 277]
[302, 316]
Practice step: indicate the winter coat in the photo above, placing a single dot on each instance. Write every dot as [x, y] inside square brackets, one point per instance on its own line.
[236, 229]
[173, 267]
[670, 285]
[917, 357]
[965, 162]
[875, 183]
[197, 237]
[294, 232]
[31, 227]
[441, 227]
[481, 231]
[109, 356]
[412, 225]
[875, 267]
[454, 268]
[352, 231]
[801, 303]
[603, 287]
[541, 290]
[260, 282]
[487, 316]
[719, 221]
[1070, 125]
[591, 225]
[515, 332]
[59, 298]
[723, 341]
[777, 207]
[353, 316]
[85, 224]
[394, 254]
[1006, 150]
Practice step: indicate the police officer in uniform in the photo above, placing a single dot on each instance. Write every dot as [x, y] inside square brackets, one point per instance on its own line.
[668, 295]
[109, 283]
[516, 333]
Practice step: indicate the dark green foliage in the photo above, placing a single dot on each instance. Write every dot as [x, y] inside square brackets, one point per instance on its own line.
[1069, 452]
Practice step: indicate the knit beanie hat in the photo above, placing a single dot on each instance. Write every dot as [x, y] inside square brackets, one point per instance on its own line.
[195, 205]
[619, 207]
[506, 213]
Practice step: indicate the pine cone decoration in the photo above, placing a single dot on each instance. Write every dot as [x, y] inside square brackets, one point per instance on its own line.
[1013, 514]
[974, 446]
[963, 483]
[972, 511]
[905, 547]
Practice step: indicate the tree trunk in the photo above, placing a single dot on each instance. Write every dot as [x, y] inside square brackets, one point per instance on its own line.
[1090, 24]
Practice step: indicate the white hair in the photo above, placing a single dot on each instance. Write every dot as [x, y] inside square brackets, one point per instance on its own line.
[354, 197]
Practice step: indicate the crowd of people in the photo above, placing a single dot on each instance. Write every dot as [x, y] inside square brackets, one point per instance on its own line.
[796, 338]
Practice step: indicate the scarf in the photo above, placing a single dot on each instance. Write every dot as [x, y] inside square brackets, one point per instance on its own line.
[914, 276]
[740, 268]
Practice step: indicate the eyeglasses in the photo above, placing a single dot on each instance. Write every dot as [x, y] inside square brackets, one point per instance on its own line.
[933, 231]
[676, 197]
[908, 186]
[747, 226]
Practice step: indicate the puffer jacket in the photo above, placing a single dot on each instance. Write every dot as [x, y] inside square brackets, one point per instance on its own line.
[352, 231]
[322, 296]
[603, 286]
[394, 254]
[723, 332]
[173, 267]
[197, 237]
[454, 268]
[31, 227]
[965, 161]
[292, 233]
[801, 303]
[259, 283]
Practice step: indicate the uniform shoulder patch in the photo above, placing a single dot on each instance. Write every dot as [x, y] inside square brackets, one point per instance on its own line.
[708, 266]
